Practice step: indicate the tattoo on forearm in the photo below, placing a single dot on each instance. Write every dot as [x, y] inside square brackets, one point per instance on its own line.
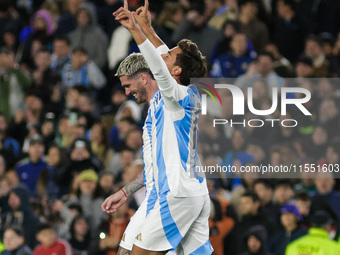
[134, 186]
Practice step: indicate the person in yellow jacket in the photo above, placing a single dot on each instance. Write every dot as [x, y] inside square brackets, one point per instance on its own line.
[317, 241]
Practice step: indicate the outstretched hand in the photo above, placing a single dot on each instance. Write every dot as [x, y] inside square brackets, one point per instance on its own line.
[125, 17]
[143, 15]
[113, 202]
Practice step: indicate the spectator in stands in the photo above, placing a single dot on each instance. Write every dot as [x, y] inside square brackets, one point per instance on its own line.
[49, 242]
[290, 221]
[313, 50]
[20, 215]
[255, 240]
[14, 241]
[282, 66]
[254, 29]
[194, 27]
[119, 161]
[61, 53]
[303, 202]
[119, 131]
[283, 192]
[328, 116]
[326, 198]
[98, 139]
[264, 69]
[8, 142]
[82, 70]
[89, 36]
[45, 80]
[13, 81]
[317, 240]
[234, 63]
[304, 67]
[68, 22]
[80, 235]
[290, 30]
[29, 169]
[265, 191]
[106, 183]
[105, 16]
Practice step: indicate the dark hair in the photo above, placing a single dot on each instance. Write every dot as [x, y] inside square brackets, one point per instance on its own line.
[291, 3]
[253, 196]
[234, 23]
[191, 61]
[44, 226]
[129, 119]
[286, 183]
[303, 196]
[63, 38]
[76, 207]
[266, 183]
[243, 2]
[266, 53]
[314, 38]
[80, 49]
[18, 230]
[75, 219]
[44, 50]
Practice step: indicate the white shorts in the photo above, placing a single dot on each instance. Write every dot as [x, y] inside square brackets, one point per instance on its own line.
[179, 224]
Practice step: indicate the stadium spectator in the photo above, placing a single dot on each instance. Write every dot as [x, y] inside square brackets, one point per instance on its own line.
[255, 240]
[49, 242]
[14, 241]
[61, 53]
[80, 235]
[29, 169]
[282, 66]
[221, 13]
[303, 202]
[81, 70]
[89, 36]
[234, 63]
[195, 28]
[20, 215]
[304, 67]
[290, 221]
[13, 81]
[283, 192]
[317, 240]
[251, 26]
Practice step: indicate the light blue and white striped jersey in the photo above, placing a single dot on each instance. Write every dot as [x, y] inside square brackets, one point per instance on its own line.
[170, 134]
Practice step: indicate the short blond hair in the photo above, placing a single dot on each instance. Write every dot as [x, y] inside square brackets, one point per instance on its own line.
[133, 64]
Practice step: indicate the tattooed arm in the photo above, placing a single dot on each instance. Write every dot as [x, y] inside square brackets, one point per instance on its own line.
[113, 202]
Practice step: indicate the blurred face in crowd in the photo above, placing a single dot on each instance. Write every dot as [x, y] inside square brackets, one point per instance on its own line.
[96, 133]
[47, 237]
[238, 140]
[256, 151]
[73, 6]
[12, 240]
[324, 184]
[87, 187]
[13, 178]
[313, 49]
[2, 165]
[319, 136]
[33, 103]
[249, 9]
[272, 48]
[332, 155]
[10, 39]
[288, 220]
[78, 59]
[14, 201]
[239, 44]
[265, 65]
[134, 140]
[36, 151]
[106, 182]
[229, 30]
[3, 124]
[53, 156]
[248, 206]
[275, 158]
[303, 70]
[6, 60]
[81, 227]
[124, 127]
[80, 153]
[260, 89]
[325, 88]
[254, 245]
[118, 97]
[83, 18]
[61, 49]
[265, 194]
[131, 172]
[84, 103]
[40, 24]
[126, 158]
[42, 60]
[303, 207]
[328, 110]
[4, 186]
[283, 193]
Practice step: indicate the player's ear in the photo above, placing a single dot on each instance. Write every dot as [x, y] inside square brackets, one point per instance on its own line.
[177, 70]
[144, 78]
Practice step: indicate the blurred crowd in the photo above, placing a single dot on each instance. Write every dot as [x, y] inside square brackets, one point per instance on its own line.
[70, 136]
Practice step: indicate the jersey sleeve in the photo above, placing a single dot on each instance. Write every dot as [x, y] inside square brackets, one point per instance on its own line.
[171, 91]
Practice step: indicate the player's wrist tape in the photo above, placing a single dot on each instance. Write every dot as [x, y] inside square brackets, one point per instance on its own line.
[124, 192]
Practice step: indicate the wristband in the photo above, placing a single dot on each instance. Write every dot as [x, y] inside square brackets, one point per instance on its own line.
[124, 193]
